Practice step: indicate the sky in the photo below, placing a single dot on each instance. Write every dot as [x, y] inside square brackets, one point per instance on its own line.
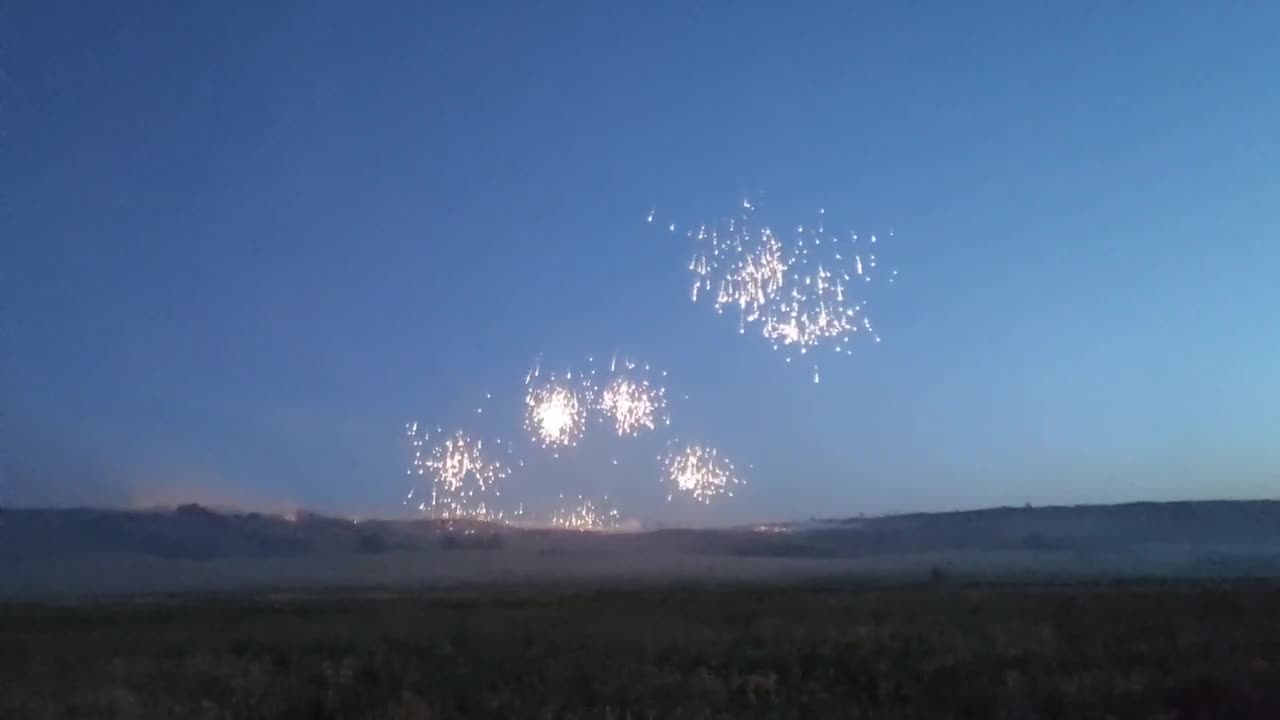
[243, 243]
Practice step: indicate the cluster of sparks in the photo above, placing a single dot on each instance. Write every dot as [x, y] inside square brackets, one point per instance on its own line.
[556, 414]
[798, 293]
[463, 478]
[459, 477]
[584, 515]
[700, 472]
[634, 405]
[557, 407]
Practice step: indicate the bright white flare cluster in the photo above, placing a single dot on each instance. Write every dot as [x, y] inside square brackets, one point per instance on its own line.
[557, 407]
[556, 413]
[633, 405]
[460, 477]
[584, 515]
[798, 292]
[463, 480]
[801, 290]
[700, 472]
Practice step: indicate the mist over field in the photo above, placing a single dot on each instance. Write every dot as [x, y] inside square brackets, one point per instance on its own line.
[77, 553]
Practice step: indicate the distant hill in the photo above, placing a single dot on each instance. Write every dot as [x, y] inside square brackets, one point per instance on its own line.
[196, 532]
[75, 551]
[1229, 525]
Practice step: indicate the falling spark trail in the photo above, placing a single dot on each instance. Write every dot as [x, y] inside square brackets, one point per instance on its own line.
[461, 476]
[700, 472]
[584, 516]
[794, 291]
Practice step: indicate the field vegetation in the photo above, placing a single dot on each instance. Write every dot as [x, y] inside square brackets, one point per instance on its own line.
[937, 650]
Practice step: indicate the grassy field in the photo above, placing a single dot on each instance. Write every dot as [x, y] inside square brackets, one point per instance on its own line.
[936, 651]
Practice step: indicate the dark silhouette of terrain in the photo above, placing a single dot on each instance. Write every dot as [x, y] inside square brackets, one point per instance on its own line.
[86, 551]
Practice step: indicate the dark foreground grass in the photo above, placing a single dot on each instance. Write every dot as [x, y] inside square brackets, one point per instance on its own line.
[1167, 651]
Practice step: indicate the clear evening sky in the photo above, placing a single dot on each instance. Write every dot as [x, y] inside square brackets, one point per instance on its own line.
[243, 243]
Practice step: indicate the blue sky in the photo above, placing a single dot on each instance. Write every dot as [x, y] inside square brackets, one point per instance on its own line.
[242, 245]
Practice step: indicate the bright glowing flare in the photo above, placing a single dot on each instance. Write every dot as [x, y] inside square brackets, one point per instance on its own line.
[798, 292]
[700, 472]
[555, 414]
[462, 477]
[632, 405]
